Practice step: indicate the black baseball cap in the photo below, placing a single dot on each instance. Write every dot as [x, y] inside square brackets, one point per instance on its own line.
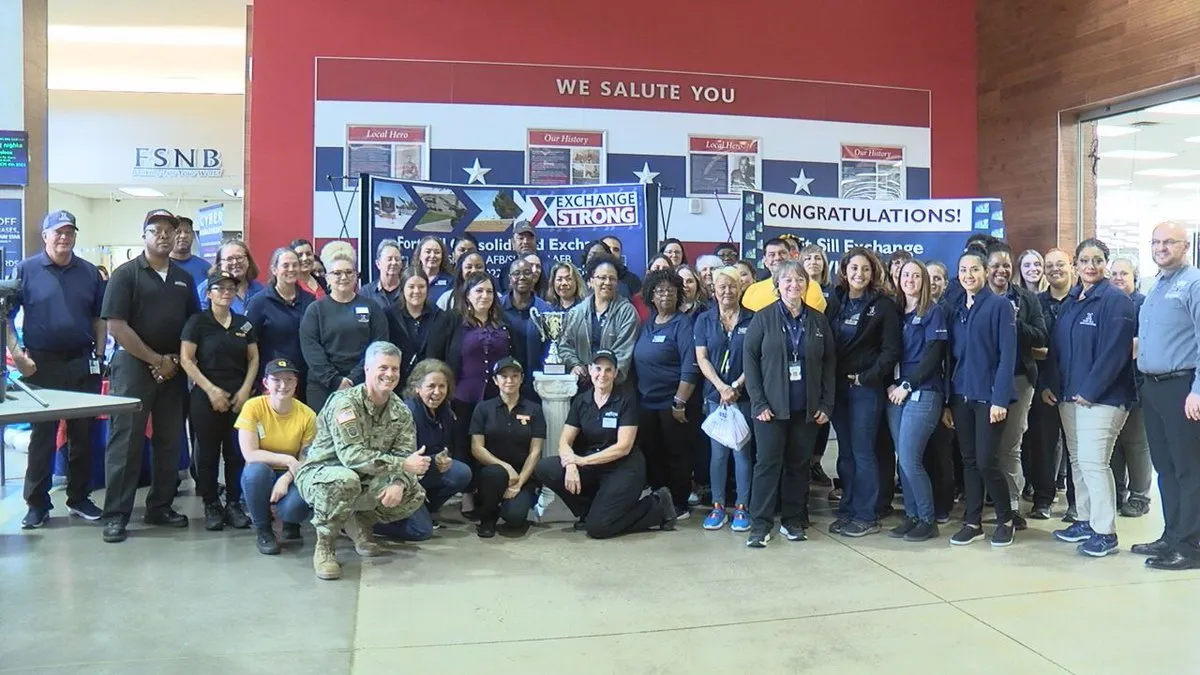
[507, 362]
[522, 226]
[277, 366]
[217, 277]
[605, 354]
[160, 215]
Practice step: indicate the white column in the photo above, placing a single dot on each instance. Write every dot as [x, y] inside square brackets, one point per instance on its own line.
[556, 392]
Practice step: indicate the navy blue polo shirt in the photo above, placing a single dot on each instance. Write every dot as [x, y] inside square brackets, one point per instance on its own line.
[663, 355]
[528, 347]
[60, 303]
[433, 429]
[197, 267]
[793, 328]
[724, 347]
[277, 323]
[440, 285]
[917, 333]
[848, 318]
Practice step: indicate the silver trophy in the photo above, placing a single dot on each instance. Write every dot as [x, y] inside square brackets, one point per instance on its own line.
[550, 327]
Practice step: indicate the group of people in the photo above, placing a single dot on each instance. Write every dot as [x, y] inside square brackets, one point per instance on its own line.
[365, 407]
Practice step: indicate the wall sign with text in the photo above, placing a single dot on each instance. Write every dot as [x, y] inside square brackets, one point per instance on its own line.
[165, 162]
[557, 157]
[386, 151]
[14, 158]
[872, 172]
[722, 166]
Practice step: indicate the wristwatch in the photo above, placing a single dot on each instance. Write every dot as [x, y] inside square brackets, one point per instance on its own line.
[906, 386]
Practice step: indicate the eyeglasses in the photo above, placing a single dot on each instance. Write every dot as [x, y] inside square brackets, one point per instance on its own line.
[1166, 242]
[521, 274]
[235, 258]
[224, 290]
[605, 279]
[342, 273]
[156, 232]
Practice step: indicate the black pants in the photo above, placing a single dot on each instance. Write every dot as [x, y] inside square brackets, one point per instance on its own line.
[979, 439]
[668, 447]
[491, 482]
[609, 501]
[67, 372]
[782, 469]
[459, 434]
[317, 394]
[123, 461]
[214, 442]
[1175, 451]
[1042, 449]
[939, 464]
[885, 459]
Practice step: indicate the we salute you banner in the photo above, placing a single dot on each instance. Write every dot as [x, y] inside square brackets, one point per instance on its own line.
[565, 218]
[929, 229]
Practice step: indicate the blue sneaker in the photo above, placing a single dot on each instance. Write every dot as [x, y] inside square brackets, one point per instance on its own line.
[1099, 545]
[741, 519]
[1077, 532]
[716, 518]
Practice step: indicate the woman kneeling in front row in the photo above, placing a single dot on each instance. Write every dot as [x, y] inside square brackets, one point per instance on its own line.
[507, 434]
[598, 472]
[790, 377]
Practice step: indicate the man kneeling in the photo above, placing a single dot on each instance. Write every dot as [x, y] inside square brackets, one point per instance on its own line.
[361, 469]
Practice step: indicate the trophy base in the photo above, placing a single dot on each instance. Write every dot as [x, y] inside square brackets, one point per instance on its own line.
[554, 369]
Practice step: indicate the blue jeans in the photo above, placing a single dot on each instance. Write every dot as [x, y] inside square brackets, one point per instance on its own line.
[258, 479]
[912, 423]
[857, 412]
[743, 465]
[439, 487]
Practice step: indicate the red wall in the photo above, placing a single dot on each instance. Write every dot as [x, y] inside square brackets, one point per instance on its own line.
[926, 44]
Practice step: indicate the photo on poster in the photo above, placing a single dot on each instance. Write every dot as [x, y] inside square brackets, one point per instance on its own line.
[564, 157]
[585, 166]
[393, 206]
[409, 161]
[708, 175]
[872, 172]
[443, 212]
[720, 166]
[497, 210]
[744, 175]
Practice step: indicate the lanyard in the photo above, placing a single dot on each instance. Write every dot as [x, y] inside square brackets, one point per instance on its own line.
[795, 332]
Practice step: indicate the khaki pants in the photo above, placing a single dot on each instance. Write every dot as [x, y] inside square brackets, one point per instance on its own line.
[1091, 433]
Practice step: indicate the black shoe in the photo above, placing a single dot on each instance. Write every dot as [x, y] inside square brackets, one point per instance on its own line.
[1135, 507]
[1070, 516]
[486, 529]
[235, 515]
[968, 534]
[885, 512]
[1027, 493]
[1173, 561]
[858, 529]
[1039, 513]
[665, 501]
[818, 477]
[291, 532]
[1003, 536]
[114, 531]
[758, 538]
[1019, 523]
[899, 531]
[267, 543]
[470, 515]
[214, 517]
[804, 521]
[836, 526]
[85, 509]
[923, 532]
[35, 518]
[168, 516]
[579, 526]
[1155, 548]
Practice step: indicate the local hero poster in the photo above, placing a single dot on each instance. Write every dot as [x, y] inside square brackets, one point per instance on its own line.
[565, 218]
[929, 229]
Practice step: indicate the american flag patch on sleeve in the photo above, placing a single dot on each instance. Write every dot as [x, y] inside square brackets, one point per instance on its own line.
[345, 416]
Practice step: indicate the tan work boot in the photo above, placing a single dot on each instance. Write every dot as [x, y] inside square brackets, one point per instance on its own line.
[324, 560]
[359, 531]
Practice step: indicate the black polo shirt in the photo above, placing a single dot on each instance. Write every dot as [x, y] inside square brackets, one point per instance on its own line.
[155, 308]
[507, 434]
[221, 351]
[598, 426]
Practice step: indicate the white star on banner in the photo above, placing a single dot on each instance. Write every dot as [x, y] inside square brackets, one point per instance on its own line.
[802, 182]
[476, 174]
[646, 175]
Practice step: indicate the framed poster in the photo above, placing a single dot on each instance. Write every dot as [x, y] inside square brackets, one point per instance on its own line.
[722, 166]
[872, 172]
[387, 151]
[560, 157]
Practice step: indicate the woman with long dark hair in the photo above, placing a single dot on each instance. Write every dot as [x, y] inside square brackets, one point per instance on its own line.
[469, 264]
[672, 249]
[416, 316]
[308, 278]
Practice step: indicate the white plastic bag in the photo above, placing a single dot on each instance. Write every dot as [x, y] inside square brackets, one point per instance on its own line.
[727, 426]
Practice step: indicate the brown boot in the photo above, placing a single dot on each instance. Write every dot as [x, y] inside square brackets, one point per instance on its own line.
[358, 528]
[324, 560]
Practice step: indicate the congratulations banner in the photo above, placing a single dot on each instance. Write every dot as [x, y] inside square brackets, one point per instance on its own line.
[929, 229]
[565, 218]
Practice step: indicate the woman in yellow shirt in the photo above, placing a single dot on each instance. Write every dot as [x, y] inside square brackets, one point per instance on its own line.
[274, 431]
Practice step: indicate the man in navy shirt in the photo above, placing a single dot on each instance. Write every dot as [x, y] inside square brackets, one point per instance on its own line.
[64, 345]
[181, 251]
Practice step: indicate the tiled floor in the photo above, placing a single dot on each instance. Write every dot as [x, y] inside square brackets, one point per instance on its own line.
[690, 602]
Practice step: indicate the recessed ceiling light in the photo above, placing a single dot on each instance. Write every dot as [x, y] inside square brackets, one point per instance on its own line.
[1112, 131]
[236, 193]
[1136, 154]
[163, 36]
[141, 192]
[1182, 186]
[1177, 108]
[1193, 139]
[1168, 173]
[1111, 182]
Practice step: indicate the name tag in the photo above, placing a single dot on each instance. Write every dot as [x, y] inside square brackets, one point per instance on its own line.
[658, 339]
[915, 396]
[523, 419]
[180, 283]
[742, 330]
[609, 423]
[363, 314]
[795, 371]
[94, 366]
[262, 432]
[916, 321]
[1173, 295]
[852, 320]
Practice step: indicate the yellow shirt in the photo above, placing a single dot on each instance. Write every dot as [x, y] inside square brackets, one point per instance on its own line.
[761, 294]
[285, 434]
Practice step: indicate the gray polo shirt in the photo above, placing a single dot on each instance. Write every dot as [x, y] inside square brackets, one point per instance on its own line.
[1169, 324]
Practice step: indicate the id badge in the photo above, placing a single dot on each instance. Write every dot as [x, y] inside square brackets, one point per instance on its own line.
[262, 431]
[609, 423]
[94, 366]
[795, 372]
[915, 397]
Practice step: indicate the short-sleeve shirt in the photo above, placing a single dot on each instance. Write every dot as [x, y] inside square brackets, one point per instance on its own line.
[156, 308]
[506, 433]
[598, 426]
[220, 351]
[286, 434]
[60, 303]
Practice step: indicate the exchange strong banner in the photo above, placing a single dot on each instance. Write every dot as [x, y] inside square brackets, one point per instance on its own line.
[565, 218]
[930, 229]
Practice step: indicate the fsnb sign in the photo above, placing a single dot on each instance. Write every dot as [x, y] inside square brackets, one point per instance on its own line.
[177, 163]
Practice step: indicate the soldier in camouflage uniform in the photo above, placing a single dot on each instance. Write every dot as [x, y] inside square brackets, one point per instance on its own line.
[361, 468]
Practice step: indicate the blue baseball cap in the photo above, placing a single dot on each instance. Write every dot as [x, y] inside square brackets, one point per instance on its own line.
[57, 219]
